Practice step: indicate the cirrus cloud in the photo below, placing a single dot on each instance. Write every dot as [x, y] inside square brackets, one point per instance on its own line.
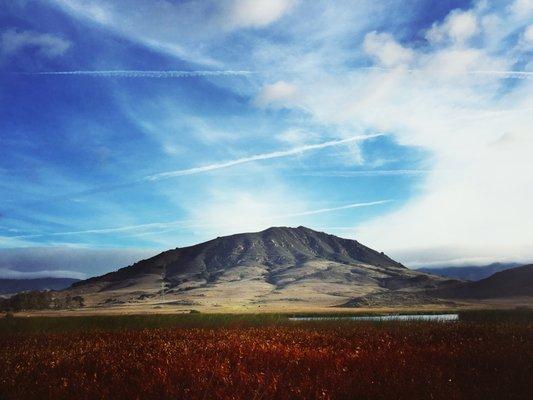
[46, 45]
[276, 94]
[253, 13]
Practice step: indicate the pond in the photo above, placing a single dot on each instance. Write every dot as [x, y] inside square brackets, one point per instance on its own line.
[396, 317]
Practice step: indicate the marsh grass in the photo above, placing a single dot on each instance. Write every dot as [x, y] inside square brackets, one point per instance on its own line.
[133, 322]
[41, 324]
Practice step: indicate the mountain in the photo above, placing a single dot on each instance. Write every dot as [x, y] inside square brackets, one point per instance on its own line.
[469, 273]
[12, 286]
[278, 267]
[514, 282]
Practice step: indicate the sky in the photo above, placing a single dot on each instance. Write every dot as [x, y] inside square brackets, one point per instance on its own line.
[131, 127]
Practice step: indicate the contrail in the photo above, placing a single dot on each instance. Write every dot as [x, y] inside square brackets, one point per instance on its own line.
[106, 230]
[325, 210]
[209, 167]
[370, 172]
[492, 114]
[189, 74]
[504, 74]
[141, 74]
[499, 73]
[150, 227]
[192, 224]
[257, 157]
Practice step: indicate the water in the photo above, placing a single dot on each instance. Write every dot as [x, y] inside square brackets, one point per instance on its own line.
[402, 317]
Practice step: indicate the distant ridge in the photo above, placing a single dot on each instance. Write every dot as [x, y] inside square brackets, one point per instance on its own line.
[469, 273]
[12, 286]
[514, 282]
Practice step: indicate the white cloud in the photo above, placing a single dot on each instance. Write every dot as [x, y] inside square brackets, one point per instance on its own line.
[452, 62]
[253, 13]
[33, 262]
[386, 50]
[93, 10]
[522, 7]
[474, 202]
[11, 274]
[459, 26]
[223, 211]
[182, 29]
[459, 256]
[297, 136]
[528, 34]
[526, 40]
[276, 94]
[47, 45]
[170, 28]
[452, 102]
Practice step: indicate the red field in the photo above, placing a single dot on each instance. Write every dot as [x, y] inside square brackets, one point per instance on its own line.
[351, 361]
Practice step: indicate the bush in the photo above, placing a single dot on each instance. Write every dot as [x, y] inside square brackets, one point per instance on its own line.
[36, 300]
[33, 300]
[68, 302]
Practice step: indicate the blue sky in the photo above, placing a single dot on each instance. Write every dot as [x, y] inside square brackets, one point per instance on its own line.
[130, 127]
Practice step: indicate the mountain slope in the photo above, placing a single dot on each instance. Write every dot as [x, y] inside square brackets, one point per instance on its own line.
[276, 266]
[514, 282]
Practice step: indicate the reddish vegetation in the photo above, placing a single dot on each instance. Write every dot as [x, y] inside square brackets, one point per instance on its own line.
[396, 361]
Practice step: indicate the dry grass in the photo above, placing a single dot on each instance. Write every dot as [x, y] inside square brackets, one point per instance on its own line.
[273, 360]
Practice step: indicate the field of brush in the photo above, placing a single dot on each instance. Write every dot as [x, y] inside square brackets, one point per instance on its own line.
[484, 355]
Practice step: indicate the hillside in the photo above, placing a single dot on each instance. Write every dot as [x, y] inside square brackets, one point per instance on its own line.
[278, 266]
